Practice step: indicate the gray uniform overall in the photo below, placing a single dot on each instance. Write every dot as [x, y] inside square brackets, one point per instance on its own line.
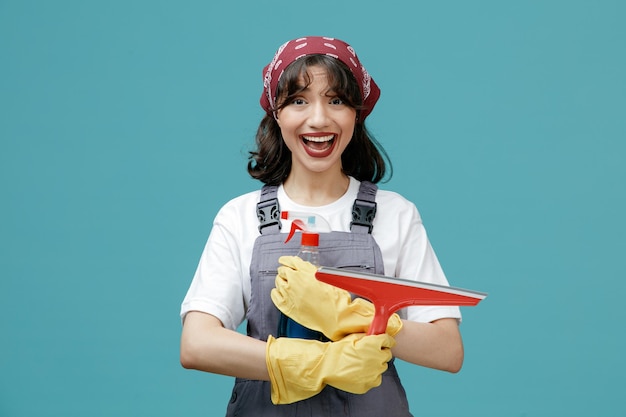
[354, 250]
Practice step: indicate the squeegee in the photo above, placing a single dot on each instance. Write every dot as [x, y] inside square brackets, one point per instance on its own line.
[391, 294]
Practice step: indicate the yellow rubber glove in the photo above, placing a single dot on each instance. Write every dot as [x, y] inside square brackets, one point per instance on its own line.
[300, 368]
[320, 306]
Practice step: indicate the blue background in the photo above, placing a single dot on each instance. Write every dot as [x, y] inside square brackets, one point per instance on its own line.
[125, 125]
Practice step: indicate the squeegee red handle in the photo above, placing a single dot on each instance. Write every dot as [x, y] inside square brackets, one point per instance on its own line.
[383, 306]
[389, 297]
[381, 318]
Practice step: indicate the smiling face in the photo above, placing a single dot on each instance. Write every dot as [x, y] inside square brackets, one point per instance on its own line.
[316, 125]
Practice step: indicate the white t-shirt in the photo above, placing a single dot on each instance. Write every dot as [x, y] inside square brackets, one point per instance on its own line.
[221, 284]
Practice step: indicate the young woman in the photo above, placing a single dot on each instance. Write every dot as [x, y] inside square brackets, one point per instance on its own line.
[314, 155]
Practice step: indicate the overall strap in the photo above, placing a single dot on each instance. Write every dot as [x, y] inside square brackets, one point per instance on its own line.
[364, 208]
[268, 210]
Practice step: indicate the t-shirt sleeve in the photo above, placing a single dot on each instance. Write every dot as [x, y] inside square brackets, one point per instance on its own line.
[417, 261]
[216, 287]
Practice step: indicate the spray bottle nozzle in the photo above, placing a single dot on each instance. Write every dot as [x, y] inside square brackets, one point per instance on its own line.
[308, 238]
[310, 224]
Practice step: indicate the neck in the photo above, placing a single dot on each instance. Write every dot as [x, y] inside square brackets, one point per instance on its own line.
[316, 190]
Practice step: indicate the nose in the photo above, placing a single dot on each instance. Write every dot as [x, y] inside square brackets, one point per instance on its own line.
[318, 115]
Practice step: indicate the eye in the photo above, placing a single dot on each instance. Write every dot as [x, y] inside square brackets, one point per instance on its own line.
[336, 101]
[298, 101]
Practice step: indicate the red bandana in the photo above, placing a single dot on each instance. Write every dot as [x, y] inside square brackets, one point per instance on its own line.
[297, 48]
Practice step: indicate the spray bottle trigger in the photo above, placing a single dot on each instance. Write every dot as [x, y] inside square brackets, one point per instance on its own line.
[297, 224]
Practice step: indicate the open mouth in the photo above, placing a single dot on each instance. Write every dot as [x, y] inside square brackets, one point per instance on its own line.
[318, 143]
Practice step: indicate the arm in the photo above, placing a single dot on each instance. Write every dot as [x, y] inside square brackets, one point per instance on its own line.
[428, 340]
[436, 345]
[207, 346]
[299, 368]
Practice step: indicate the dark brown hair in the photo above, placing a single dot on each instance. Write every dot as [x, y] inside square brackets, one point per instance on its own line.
[364, 158]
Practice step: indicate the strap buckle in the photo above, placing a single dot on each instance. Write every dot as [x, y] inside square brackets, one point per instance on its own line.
[268, 213]
[363, 213]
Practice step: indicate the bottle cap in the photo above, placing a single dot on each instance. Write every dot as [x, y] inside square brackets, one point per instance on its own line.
[310, 239]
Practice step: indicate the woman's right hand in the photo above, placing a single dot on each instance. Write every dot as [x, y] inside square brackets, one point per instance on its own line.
[300, 368]
[320, 306]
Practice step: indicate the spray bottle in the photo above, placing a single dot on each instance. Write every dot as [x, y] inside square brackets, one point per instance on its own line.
[310, 227]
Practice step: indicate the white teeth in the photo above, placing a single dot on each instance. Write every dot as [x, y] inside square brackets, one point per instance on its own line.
[318, 138]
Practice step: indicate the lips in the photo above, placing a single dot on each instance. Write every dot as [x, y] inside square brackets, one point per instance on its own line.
[318, 145]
